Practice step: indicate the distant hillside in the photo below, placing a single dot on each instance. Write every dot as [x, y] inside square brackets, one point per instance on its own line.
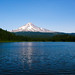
[35, 36]
[7, 36]
[73, 34]
[47, 36]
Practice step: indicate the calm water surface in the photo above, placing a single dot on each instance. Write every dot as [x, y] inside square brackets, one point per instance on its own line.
[37, 58]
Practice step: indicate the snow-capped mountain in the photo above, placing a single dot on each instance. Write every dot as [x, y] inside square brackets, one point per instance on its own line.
[29, 27]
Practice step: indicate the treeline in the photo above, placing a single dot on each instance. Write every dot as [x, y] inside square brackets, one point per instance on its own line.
[8, 36]
[63, 37]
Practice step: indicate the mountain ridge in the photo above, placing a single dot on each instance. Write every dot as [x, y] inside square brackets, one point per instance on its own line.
[29, 27]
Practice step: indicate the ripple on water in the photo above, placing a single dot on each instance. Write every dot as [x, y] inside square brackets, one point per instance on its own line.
[37, 58]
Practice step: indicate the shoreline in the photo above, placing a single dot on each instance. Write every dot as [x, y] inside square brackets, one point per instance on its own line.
[35, 41]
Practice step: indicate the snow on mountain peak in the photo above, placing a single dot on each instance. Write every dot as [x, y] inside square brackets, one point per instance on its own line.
[29, 27]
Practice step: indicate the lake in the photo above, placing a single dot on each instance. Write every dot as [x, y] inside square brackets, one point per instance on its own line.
[37, 58]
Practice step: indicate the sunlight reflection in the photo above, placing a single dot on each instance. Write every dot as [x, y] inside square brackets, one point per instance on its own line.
[27, 53]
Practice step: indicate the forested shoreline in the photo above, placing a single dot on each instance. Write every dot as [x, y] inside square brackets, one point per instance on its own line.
[6, 36]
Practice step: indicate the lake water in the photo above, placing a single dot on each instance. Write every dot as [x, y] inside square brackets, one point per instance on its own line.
[37, 58]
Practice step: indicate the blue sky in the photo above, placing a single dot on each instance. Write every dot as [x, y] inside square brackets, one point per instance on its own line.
[57, 15]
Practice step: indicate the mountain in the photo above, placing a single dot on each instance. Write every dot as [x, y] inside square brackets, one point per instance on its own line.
[29, 27]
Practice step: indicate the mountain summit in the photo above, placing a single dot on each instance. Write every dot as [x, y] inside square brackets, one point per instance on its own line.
[29, 27]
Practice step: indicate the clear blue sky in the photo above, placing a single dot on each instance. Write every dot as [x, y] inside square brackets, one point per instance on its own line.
[57, 15]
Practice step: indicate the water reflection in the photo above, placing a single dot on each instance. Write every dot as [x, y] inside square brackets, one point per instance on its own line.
[23, 58]
[29, 52]
[26, 53]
